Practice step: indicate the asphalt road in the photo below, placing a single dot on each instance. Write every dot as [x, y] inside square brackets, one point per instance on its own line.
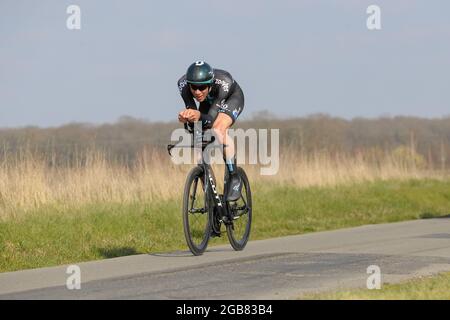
[278, 268]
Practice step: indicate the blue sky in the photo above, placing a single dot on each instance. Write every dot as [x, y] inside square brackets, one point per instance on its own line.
[291, 57]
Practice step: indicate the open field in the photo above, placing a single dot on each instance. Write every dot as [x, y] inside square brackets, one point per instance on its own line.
[28, 183]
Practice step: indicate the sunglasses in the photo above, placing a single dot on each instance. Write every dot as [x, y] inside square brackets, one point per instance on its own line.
[200, 87]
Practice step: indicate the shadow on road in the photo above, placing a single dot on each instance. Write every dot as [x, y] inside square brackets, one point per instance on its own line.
[175, 254]
[429, 215]
[184, 254]
[116, 252]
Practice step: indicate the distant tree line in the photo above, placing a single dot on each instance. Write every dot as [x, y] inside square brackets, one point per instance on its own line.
[121, 141]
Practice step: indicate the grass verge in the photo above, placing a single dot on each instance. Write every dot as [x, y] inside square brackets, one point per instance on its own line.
[426, 288]
[53, 236]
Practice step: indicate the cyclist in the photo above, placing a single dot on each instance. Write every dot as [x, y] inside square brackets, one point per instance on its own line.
[221, 101]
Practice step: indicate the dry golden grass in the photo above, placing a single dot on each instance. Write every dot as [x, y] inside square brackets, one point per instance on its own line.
[323, 169]
[27, 182]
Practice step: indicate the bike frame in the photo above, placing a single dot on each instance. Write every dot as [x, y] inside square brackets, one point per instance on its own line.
[210, 181]
[212, 193]
[217, 209]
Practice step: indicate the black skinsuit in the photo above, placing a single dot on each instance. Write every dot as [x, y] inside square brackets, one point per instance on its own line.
[225, 96]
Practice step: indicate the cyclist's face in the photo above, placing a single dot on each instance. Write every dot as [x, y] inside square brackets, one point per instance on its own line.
[199, 92]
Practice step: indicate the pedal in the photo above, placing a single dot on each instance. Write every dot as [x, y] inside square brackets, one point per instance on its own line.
[215, 234]
[226, 220]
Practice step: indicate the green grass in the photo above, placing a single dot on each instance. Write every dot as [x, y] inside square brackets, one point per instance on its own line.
[434, 287]
[52, 236]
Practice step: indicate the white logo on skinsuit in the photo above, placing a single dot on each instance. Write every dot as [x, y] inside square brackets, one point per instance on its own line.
[222, 105]
[236, 113]
[225, 85]
[182, 85]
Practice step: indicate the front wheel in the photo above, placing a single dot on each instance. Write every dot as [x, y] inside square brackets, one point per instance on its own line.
[238, 229]
[196, 212]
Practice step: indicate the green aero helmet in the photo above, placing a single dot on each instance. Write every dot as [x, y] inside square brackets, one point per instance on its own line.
[200, 73]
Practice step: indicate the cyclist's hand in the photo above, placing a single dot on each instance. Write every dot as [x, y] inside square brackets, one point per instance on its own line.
[192, 115]
[182, 118]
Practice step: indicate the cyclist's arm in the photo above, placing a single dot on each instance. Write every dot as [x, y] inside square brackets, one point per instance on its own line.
[208, 119]
[216, 106]
[187, 97]
[186, 94]
[189, 102]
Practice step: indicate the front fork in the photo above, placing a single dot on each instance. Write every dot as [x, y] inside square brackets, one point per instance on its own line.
[221, 206]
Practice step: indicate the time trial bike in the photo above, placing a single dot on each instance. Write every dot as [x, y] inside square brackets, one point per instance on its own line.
[204, 210]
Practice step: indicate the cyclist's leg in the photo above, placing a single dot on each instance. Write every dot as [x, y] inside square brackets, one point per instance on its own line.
[225, 119]
[228, 114]
[220, 127]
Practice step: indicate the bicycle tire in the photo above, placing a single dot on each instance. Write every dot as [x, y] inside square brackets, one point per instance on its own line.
[239, 244]
[196, 174]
